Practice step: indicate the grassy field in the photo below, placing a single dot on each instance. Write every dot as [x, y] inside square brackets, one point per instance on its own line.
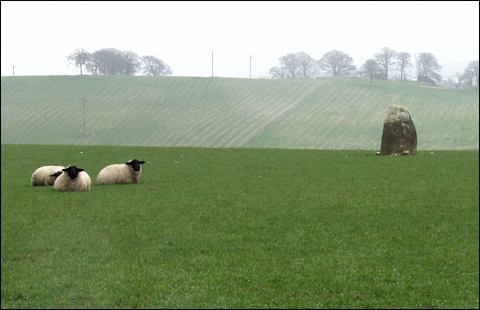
[242, 228]
[223, 112]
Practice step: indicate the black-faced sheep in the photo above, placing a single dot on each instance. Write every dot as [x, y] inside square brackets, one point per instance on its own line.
[121, 173]
[73, 179]
[46, 175]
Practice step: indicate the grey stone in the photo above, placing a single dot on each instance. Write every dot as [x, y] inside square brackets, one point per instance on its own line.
[399, 135]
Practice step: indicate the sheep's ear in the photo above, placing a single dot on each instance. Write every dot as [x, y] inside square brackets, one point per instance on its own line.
[65, 169]
[79, 170]
[128, 163]
[141, 162]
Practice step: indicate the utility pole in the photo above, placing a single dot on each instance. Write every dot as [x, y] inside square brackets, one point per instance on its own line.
[13, 70]
[84, 118]
[212, 63]
[250, 75]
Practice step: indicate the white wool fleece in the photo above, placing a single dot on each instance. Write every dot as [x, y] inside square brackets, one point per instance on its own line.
[118, 174]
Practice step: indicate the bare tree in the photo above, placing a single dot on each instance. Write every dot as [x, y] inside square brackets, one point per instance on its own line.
[110, 61]
[427, 67]
[295, 65]
[289, 64]
[336, 62]
[385, 59]
[371, 69]
[403, 62]
[79, 57]
[458, 79]
[154, 66]
[470, 75]
[306, 65]
[93, 64]
[278, 73]
[130, 64]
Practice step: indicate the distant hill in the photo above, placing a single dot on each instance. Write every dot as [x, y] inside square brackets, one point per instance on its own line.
[229, 112]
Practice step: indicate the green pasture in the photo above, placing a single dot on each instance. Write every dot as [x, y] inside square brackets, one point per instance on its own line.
[228, 112]
[237, 228]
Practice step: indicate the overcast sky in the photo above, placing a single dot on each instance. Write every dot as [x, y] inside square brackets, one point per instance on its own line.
[37, 37]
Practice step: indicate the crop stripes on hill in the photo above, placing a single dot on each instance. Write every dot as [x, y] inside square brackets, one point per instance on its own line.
[225, 112]
[257, 112]
[252, 130]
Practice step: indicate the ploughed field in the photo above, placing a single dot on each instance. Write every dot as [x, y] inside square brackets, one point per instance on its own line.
[242, 228]
[228, 112]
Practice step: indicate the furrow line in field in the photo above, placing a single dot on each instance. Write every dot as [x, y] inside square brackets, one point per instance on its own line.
[169, 120]
[250, 104]
[315, 112]
[234, 115]
[200, 120]
[283, 117]
[255, 128]
[187, 128]
[337, 111]
[183, 93]
[221, 109]
[333, 108]
[255, 116]
[110, 117]
[30, 116]
[145, 110]
[196, 124]
[166, 117]
[202, 88]
[51, 115]
[363, 116]
[172, 116]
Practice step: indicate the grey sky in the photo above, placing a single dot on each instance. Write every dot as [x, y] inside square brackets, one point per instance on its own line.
[38, 36]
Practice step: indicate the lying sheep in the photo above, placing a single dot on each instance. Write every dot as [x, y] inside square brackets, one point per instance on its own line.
[73, 179]
[121, 173]
[46, 175]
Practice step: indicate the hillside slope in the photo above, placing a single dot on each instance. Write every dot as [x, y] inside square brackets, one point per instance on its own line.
[221, 112]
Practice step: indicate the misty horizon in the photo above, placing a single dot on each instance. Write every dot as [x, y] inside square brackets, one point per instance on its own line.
[187, 33]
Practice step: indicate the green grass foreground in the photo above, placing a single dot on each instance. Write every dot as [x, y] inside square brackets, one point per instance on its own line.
[242, 228]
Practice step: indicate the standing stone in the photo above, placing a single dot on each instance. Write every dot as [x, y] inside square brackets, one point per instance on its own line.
[399, 134]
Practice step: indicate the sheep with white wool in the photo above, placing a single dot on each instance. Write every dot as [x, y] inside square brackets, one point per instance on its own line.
[121, 173]
[73, 179]
[46, 175]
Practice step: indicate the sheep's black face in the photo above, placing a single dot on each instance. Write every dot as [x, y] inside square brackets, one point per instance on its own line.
[72, 171]
[135, 164]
